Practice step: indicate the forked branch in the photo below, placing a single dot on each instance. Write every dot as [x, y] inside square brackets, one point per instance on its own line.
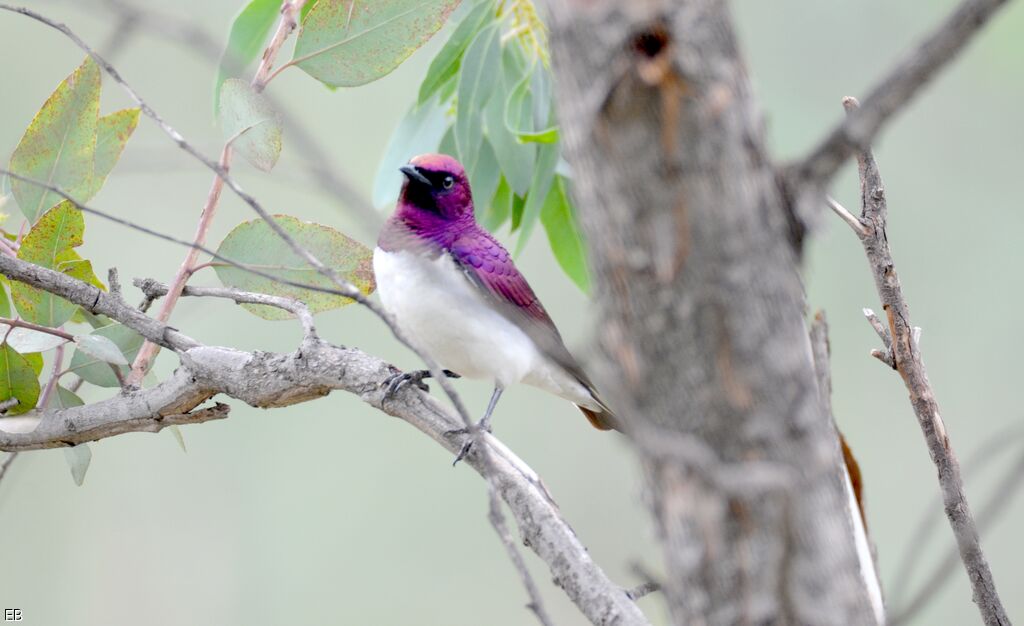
[904, 354]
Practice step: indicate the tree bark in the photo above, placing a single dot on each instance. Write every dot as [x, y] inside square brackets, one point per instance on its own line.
[701, 316]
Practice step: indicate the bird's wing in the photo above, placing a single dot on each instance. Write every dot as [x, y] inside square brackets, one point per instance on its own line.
[489, 268]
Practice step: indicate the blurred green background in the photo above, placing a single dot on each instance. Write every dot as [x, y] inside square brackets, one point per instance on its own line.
[332, 513]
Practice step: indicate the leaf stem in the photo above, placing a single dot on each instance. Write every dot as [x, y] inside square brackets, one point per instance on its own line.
[43, 329]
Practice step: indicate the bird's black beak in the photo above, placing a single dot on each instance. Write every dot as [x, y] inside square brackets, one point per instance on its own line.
[412, 173]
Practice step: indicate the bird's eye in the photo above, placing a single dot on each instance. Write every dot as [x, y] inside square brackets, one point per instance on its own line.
[448, 182]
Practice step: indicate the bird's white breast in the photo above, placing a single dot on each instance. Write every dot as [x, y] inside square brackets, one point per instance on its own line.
[441, 312]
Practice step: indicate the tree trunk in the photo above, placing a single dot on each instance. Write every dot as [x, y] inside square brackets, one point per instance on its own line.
[701, 323]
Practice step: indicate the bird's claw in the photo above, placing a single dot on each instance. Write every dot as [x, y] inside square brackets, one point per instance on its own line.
[483, 425]
[395, 382]
[399, 380]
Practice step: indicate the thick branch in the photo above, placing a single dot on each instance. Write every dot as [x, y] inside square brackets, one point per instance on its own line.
[894, 90]
[906, 357]
[272, 380]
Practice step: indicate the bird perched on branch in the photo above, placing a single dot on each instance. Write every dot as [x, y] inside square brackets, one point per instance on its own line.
[455, 292]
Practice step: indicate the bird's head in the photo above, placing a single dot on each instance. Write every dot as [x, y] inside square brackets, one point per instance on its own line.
[436, 187]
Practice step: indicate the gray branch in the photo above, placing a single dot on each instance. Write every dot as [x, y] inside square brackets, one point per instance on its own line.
[267, 380]
[894, 91]
[906, 358]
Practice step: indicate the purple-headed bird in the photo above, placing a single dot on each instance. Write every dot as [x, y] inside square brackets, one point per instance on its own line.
[455, 292]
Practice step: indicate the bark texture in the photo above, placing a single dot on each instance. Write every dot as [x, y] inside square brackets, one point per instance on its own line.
[701, 322]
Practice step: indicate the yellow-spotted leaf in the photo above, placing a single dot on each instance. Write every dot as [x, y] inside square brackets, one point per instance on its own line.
[253, 243]
[112, 135]
[17, 380]
[345, 43]
[68, 146]
[50, 244]
[59, 145]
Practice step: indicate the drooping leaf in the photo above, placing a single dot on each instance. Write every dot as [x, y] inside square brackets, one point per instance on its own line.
[477, 78]
[500, 207]
[564, 235]
[419, 131]
[17, 380]
[254, 243]
[102, 348]
[518, 203]
[249, 31]
[250, 123]
[112, 134]
[547, 158]
[521, 114]
[178, 437]
[78, 458]
[484, 176]
[516, 159]
[345, 43]
[447, 62]
[49, 244]
[59, 145]
[99, 372]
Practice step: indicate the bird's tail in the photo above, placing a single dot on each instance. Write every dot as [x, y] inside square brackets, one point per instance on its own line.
[602, 419]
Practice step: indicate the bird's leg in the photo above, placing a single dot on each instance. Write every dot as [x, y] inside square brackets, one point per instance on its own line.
[400, 379]
[484, 424]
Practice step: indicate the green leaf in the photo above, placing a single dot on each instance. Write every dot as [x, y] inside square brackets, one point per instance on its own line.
[17, 380]
[58, 147]
[248, 33]
[516, 159]
[477, 79]
[63, 399]
[500, 207]
[518, 204]
[5, 302]
[113, 132]
[447, 145]
[250, 123]
[521, 115]
[78, 458]
[305, 10]
[49, 244]
[253, 243]
[345, 43]
[446, 64]
[102, 348]
[419, 131]
[96, 370]
[484, 176]
[564, 235]
[547, 158]
[34, 359]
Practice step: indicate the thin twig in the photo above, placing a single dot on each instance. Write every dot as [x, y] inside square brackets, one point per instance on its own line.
[51, 385]
[7, 463]
[848, 217]
[895, 89]
[498, 521]
[1004, 493]
[56, 332]
[153, 289]
[909, 363]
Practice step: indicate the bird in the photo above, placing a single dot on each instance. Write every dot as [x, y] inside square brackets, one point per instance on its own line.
[456, 293]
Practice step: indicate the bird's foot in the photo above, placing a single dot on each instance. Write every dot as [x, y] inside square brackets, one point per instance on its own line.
[483, 425]
[399, 380]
